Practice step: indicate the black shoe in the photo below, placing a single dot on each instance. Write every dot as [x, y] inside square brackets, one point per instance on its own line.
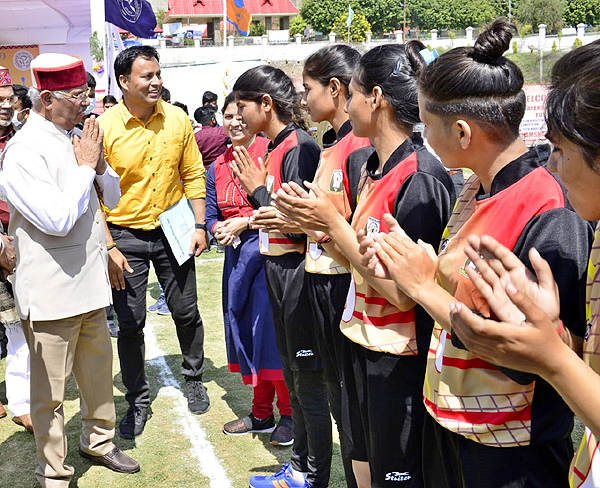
[116, 460]
[283, 435]
[198, 401]
[132, 424]
[250, 424]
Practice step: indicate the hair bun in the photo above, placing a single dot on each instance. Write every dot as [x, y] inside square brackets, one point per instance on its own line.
[492, 43]
[412, 49]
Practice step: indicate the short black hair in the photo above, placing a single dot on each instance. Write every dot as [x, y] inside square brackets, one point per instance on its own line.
[228, 99]
[336, 61]
[21, 92]
[572, 109]
[265, 79]
[165, 94]
[125, 59]
[209, 97]
[91, 81]
[394, 68]
[109, 99]
[204, 114]
[182, 106]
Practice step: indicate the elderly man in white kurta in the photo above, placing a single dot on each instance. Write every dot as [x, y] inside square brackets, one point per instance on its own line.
[61, 281]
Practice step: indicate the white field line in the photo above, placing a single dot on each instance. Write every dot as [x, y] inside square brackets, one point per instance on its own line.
[209, 260]
[202, 449]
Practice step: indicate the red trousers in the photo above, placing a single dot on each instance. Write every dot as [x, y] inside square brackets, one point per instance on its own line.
[264, 394]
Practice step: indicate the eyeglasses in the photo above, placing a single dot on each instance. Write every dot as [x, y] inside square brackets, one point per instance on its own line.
[12, 100]
[81, 97]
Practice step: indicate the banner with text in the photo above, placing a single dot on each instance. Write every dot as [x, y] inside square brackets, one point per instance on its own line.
[533, 125]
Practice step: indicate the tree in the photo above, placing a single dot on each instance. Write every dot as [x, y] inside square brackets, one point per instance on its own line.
[160, 16]
[473, 13]
[257, 28]
[96, 48]
[358, 29]
[582, 11]
[523, 29]
[451, 14]
[383, 15]
[322, 14]
[430, 14]
[297, 25]
[536, 12]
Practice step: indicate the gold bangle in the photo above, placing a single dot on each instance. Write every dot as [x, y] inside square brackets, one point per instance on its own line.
[111, 246]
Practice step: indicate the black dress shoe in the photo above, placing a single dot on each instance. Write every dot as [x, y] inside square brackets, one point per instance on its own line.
[116, 460]
[132, 425]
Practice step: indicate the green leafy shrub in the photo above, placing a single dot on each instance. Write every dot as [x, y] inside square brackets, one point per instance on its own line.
[358, 29]
[258, 28]
[297, 25]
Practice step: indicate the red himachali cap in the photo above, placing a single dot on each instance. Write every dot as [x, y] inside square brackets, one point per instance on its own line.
[57, 72]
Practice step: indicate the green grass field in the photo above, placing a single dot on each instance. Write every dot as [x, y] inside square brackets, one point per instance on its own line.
[177, 450]
[168, 457]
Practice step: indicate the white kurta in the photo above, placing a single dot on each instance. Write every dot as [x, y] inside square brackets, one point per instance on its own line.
[57, 224]
[29, 186]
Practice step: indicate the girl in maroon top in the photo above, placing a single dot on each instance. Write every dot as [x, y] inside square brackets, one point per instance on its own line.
[247, 316]
[268, 102]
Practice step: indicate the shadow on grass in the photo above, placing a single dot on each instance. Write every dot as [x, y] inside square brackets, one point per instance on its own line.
[18, 458]
[238, 398]
[18, 455]
[3, 398]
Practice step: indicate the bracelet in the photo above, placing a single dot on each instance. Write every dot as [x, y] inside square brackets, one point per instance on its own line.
[2, 246]
[248, 223]
[561, 327]
[324, 240]
[111, 246]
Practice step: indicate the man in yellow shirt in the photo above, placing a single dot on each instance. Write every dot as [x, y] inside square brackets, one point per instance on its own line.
[150, 144]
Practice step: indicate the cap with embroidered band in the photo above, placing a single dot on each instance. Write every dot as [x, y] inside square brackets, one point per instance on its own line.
[53, 72]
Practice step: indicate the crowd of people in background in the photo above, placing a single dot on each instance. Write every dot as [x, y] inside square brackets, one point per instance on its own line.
[440, 318]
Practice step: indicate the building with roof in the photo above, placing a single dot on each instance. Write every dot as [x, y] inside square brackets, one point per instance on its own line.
[273, 13]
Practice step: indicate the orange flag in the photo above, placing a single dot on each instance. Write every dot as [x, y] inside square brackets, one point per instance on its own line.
[238, 15]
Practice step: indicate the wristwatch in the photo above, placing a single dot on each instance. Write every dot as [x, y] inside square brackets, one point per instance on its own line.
[200, 226]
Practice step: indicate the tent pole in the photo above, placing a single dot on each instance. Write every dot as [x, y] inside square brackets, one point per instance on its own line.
[225, 24]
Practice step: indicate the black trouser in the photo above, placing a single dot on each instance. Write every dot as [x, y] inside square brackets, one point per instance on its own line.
[140, 248]
[383, 401]
[286, 284]
[3, 342]
[327, 295]
[451, 460]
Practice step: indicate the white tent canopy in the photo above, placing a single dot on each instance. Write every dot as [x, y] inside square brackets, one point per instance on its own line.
[45, 22]
[57, 26]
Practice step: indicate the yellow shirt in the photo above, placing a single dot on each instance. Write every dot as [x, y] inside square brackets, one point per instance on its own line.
[157, 162]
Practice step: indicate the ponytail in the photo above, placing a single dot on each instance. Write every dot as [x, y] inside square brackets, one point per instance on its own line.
[268, 80]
